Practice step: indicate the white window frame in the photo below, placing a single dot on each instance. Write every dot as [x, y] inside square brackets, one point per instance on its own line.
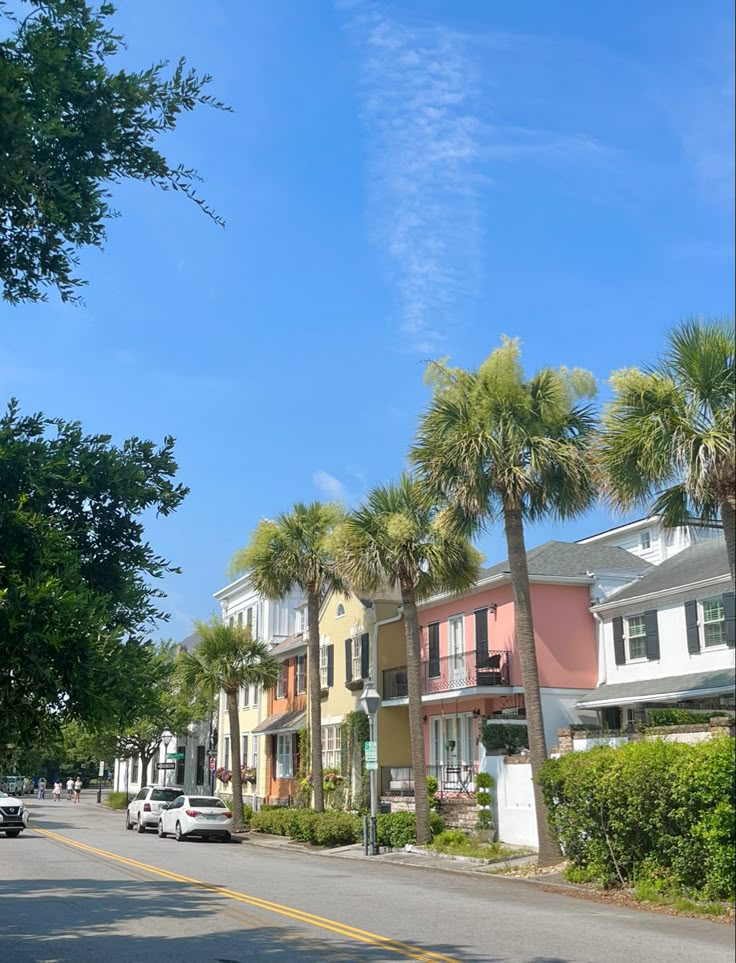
[645, 540]
[284, 755]
[244, 748]
[323, 666]
[357, 659]
[300, 675]
[254, 695]
[246, 696]
[721, 621]
[240, 620]
[332, 747]
[629, 637]
[254, 749]
[340, 611]
[282, 682]
[226, 752]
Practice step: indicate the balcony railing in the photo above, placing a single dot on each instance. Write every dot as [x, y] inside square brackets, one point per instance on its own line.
[452, 780]
[464, 671]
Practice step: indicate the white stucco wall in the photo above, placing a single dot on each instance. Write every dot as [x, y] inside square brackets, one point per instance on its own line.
[513, 795]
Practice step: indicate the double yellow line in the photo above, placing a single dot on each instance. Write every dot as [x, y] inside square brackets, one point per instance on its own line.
[341, 929]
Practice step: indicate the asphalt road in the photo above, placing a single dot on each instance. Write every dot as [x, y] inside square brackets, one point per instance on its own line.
[79, 887]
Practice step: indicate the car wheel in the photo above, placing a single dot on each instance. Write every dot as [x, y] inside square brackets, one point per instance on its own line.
[180, 837]
[12, 833]
[140, 825]
[226, 837]
[161, 833]
[128, 823]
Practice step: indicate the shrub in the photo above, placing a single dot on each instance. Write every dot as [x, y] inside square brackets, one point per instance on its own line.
[117, 800]
[679, 717]
[450, 839]
[500, 735]
[650, 811]
[397, 830]
[304, 825]
[432, 790]
[336, 829]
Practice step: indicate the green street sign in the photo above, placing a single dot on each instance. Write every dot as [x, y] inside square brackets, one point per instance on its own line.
[174, 755]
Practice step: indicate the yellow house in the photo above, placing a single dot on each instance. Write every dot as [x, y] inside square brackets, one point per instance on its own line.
[359, 637]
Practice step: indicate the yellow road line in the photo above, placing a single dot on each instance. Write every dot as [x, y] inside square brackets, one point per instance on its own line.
[341, 929]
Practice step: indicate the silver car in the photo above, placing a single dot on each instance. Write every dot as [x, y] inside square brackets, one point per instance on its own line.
[142, 812]
[14, 815]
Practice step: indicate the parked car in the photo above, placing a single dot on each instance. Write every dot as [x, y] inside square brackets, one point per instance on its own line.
[205, 816]
[12, 785]
[142, 812]
[27, 786]
[14, 815]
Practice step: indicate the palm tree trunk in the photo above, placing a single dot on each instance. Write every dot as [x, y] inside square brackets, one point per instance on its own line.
[237, 782]
[549, 851]
[416, 725]
[728, 517]
[315, 702]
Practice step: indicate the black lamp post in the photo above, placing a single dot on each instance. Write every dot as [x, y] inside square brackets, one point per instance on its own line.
[370, 700]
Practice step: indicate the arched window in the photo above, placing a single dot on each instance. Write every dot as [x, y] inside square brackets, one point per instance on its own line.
[340, 610]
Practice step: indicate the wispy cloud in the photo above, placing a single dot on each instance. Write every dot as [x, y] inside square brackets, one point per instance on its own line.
[331, 487]
[431, 137]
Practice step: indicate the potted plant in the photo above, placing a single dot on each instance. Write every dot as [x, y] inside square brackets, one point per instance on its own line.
[483, 797]
[224, 775]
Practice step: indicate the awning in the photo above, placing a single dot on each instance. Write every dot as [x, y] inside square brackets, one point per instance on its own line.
[282, 722]
[698, 685]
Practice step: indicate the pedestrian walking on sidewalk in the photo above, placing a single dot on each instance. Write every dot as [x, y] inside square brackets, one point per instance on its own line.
[77, 789]
[41, 788]
[69, 788]
[57, 791]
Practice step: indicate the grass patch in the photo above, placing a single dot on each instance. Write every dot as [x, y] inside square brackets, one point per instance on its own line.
[454, 842]
[647, 891]
[117, 800]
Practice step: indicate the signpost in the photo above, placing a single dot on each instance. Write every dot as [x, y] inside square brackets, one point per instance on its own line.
[166, 765]
[213, 764]
[371, 756]
[100, 774]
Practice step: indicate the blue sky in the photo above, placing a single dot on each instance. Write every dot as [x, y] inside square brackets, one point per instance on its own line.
[400, 181]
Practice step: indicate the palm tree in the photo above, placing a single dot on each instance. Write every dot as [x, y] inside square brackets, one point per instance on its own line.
[668, 434]
[226, 658]
[294, 552]
[398, 538]
[497, 445]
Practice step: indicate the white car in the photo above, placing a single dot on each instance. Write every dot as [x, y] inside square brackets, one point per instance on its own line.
[142, 812]
[205, 816]
[14, 815]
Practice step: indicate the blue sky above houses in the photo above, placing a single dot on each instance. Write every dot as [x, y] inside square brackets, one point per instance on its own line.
[400, 181]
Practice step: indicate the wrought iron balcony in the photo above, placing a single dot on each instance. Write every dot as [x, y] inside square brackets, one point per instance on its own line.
[448, 673]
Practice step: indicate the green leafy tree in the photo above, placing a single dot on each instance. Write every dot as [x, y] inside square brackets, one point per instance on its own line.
[499, 445]
[668, 434]
[294, 552]
[74, 125]
[397, 537]
[78, 578]
[226, 658]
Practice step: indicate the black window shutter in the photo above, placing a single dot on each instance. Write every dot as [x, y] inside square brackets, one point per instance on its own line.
[619, 647]
[652, 630]
[348, 660]
[433, 632]
[729, 611]
[691, 627]
[330, 665]
[481, 637]
[365, 648]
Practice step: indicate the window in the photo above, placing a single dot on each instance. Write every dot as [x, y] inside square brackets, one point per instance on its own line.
[207, 802]
[254, 695]
[164, 795]
[301, 620]
[250, 620]
[357, 658]
[246, 696]
[199, 778]
[433, 650]
[645, 540]
[179, 776]
[226, 752]
[323, 666]
[231, 620]
[282, 686]
[255, 752]
[331, 747]
[637, 637]
[240, 619]
[244, 750]
[301, 674]
[134, 770]
[340, 611]
[284, 761]
[142, 794]
[714, 622]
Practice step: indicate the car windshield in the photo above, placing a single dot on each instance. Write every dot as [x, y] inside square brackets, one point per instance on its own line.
[211, 802]
[3, 794]
[164, 795]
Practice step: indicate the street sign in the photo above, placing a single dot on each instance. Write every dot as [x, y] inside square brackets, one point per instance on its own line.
[371, 755]
[211, 753]
[166, 765]
[213, 764]
[174, 755]
[101, 770]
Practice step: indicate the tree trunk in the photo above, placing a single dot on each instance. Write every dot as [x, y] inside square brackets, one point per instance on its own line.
[416, 725]
[728, 517]
[237, 782]
[315, 702]
[549, 851]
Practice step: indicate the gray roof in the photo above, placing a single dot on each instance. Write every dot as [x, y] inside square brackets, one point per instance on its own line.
[282, 722]
[690, 686]
[704, 561]
[571, 560]
[289, 644]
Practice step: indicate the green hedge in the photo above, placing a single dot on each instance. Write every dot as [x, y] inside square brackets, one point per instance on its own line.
[678, 717]
[394, 830]
[501, 735]
[654, 810]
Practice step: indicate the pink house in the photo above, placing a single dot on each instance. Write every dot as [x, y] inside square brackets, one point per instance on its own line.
[470, 664]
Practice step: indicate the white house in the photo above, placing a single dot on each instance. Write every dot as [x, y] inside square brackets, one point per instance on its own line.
[668, 639]
[650, 540]
[269, 620]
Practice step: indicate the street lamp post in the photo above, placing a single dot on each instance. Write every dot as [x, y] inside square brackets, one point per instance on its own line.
[166, 738]
[369, 703]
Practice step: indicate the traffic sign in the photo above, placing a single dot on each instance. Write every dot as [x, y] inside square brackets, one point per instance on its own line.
[371, 755]
[174, 755]
[101, 770]
[211, 753]
[213, 764]
[166, 765]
